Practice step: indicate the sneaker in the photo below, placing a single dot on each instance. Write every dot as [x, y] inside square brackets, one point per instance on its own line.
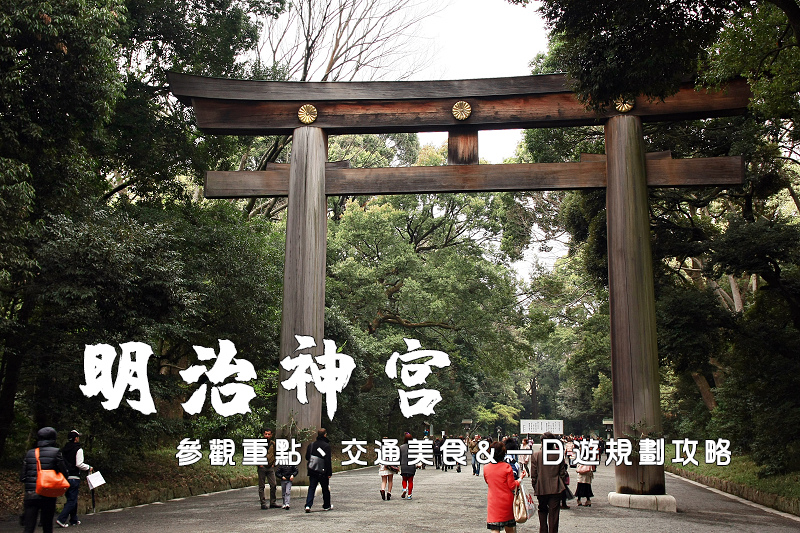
[327, 508]
[388, 495]
[264, 506]
[61, 524]
[76, 523]
[383, 494]
[408, 497]
[403, 496]
[308, 509]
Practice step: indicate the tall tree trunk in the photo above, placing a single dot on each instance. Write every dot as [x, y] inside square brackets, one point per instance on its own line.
[12, 359]
[736, 294]
[705, 390]
[534, 399]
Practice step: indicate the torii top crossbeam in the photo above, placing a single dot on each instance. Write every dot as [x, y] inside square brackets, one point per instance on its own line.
[240, 107]
[461, 107]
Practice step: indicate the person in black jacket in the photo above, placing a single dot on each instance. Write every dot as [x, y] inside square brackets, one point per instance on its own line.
[51, 459]
[285, 474]
[320, 470]
[73, 457]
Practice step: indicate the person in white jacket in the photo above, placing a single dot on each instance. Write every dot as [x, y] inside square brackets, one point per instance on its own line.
[73, 457]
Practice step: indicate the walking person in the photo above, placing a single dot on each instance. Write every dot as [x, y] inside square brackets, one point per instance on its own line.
[473, 450]
[584, 488]
[569, 448]
[50, 458]
[285, 474]
[320, 470]
[437, 453]
[510, 446]
[407, 471]
[548, 484]
[524, 460]
[566, 483]
[266, 474]
[387, 473]
[73, 457]
[501, 484]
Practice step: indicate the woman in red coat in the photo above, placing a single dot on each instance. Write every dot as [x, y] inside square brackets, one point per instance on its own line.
[499, 502]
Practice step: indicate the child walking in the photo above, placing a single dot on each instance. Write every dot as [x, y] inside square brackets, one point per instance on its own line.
[285, 474]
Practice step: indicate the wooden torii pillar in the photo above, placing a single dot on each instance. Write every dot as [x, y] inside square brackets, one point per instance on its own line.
[310, 111]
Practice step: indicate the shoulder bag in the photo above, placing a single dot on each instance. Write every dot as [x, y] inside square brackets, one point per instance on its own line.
[316, 464]
[520, 505]
[49, 483]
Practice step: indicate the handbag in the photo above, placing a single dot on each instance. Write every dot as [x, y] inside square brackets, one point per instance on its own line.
[49, 483]
[316, 464]
[583, 469]
[520, 505]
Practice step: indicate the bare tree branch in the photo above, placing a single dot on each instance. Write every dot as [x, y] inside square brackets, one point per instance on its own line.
[343, 40]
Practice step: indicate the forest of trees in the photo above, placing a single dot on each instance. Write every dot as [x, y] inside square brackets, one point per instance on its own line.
[105, 236]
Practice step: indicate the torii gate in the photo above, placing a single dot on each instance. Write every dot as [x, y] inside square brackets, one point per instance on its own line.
[310, 111]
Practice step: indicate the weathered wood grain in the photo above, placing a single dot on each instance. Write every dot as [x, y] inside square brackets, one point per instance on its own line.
[462, 148]
[634, 353]
[264, 108]
[585, 158]
[304, 272]
[473, 178]
[186, 86]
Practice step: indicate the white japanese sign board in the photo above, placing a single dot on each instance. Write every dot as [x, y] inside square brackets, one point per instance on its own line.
[538, 427]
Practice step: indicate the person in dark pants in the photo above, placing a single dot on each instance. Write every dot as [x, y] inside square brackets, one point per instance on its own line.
[564, 494]
[51, 459]
[548, 484]
[266, 474]
[473, 450]
[437, 453]
[320, 470]
[73, 457]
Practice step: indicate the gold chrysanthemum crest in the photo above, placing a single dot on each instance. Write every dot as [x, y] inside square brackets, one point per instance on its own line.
[623, 105]
[307, 114]
[462, 110]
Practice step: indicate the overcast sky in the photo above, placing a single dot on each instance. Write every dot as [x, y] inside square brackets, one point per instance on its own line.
[486, 39]
[482, 39]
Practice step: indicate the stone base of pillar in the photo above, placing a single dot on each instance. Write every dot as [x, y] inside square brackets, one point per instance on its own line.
[649, 502]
